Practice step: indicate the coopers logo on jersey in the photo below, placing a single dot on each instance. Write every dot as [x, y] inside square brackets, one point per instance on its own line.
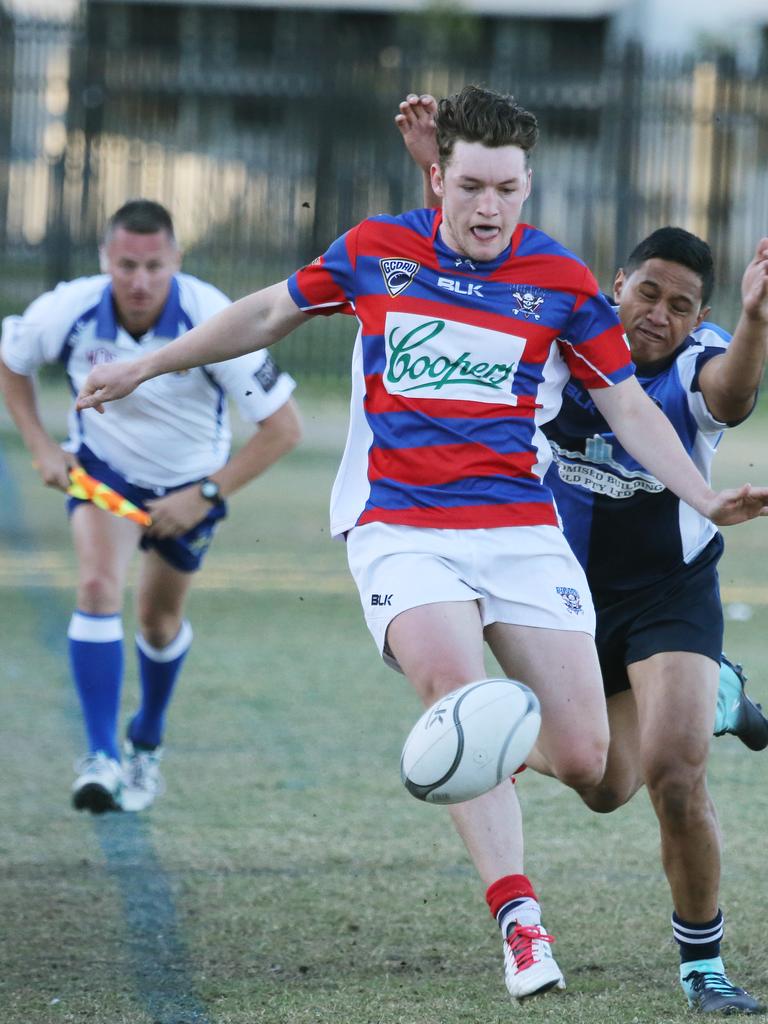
[398, 274]
[436, 358]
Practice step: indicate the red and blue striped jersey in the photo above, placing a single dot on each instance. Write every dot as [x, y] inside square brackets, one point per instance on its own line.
[456, 366]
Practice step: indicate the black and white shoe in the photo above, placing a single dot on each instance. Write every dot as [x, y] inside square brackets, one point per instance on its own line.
[710, 991]
[99, 784]
[744, 718]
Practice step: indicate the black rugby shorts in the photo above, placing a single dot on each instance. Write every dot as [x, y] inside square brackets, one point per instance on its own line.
[683, 612]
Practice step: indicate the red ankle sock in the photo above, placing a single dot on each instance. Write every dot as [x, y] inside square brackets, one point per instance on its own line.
[510, 887]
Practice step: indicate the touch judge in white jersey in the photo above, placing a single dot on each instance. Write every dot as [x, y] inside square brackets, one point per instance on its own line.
[166, 448]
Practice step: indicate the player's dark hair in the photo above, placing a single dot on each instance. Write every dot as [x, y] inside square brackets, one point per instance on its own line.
[142, 217]
[676, 245]
[479, 115]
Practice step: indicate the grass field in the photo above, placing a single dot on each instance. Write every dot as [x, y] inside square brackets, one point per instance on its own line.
[286, 877]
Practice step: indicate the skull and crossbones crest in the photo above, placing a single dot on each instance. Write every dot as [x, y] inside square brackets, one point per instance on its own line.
[528, 303]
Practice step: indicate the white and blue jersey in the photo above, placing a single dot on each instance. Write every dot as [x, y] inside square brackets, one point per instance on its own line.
[609, 504]
[173, 429]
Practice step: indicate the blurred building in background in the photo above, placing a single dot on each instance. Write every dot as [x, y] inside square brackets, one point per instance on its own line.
[267, 127]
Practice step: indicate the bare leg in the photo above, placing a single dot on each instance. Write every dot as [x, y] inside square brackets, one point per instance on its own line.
[440, 647]
[623, 771]
[561, 667]
[104, 546]
[160, 597]
[676, 695]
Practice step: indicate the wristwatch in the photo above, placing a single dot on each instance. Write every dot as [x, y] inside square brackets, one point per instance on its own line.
[210, 491]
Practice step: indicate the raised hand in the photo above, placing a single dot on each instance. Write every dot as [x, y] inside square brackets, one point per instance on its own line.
[416, 122]
[754, 285]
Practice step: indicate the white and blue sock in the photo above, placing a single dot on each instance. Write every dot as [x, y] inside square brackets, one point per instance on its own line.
[158, 671]
[96, 661]
[525, 911]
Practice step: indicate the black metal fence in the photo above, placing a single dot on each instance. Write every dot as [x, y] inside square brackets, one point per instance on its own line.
[265, 160]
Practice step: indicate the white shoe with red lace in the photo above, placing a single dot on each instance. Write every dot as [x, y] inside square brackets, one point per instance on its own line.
[529, 967]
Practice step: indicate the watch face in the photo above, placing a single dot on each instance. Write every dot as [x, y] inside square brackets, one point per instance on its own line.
[210, 490]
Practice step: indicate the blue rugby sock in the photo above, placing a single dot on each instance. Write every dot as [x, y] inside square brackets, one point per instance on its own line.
[96, 662]
[158, 672]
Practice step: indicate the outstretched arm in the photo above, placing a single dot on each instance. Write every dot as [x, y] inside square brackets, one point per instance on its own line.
[729, 382]
[649, 437]
[416, 122]
[252, 323]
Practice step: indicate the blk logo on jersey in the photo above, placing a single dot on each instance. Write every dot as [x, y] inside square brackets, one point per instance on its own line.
[445, 359]
[461, 287]
[381, 600]
[571, 599]
[398, 274]
[529, 301]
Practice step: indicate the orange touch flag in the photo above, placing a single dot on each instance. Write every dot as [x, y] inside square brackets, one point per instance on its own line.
[89, 489]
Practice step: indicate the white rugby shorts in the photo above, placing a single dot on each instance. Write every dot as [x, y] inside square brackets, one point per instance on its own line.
[522, 575]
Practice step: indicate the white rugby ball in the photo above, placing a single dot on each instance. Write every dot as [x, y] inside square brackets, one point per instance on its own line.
[470, 741]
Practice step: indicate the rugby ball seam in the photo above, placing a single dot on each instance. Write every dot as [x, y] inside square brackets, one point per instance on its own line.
[530, 707]
[449, 720]
[422, 792]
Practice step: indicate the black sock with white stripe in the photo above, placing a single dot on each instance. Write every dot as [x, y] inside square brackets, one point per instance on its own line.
[698, 941]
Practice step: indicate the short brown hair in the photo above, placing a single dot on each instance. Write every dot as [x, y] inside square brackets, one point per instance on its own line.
[141, 217]
[479, 115]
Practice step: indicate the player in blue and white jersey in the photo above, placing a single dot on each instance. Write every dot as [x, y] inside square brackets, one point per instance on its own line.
[650, 560]
[166, 449]
[651, 563]
[448, 523]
